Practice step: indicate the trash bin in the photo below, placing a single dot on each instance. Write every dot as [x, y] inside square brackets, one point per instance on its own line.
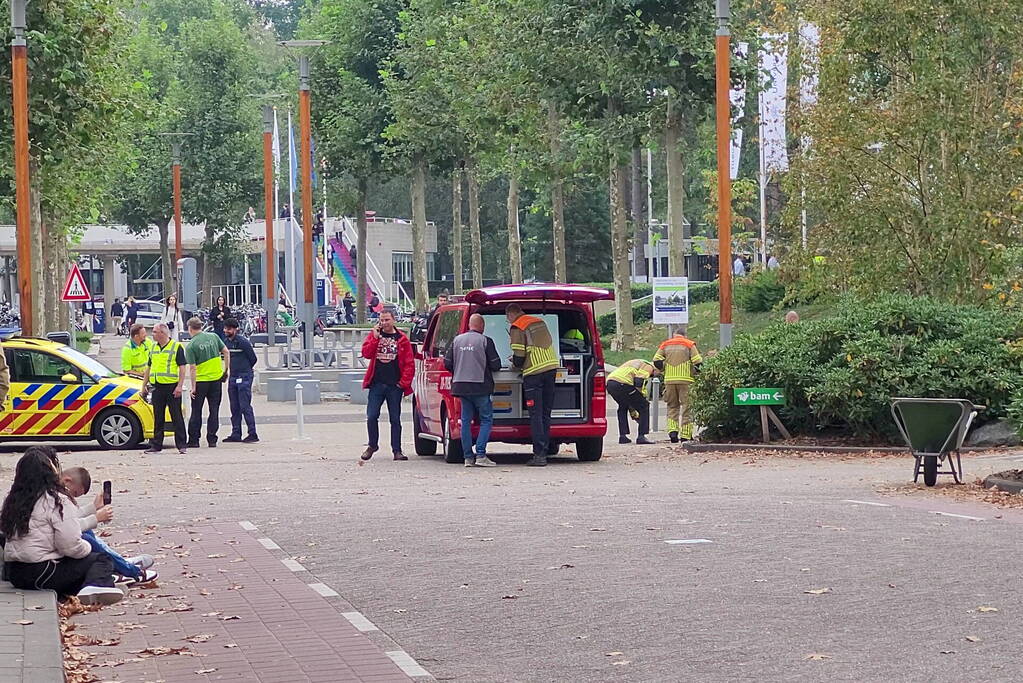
[60, 337]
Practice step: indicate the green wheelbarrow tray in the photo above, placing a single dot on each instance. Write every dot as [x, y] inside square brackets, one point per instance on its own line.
[934, 429]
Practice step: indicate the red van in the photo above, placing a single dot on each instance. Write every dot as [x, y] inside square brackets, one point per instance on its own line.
[579, 414]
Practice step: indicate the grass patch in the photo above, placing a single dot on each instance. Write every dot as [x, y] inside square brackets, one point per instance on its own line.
[703, 329]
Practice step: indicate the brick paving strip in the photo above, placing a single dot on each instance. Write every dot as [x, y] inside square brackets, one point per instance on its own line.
[29, 639]
[227, 607]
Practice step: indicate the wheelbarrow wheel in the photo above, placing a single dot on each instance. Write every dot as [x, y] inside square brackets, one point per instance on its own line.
[930, 470]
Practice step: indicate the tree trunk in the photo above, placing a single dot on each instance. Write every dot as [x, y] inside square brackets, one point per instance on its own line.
[514, 244]
[623, 340]
[207, 271]
[361, 254]
[166, 267]
[419, 236]
[557, 197]
[474, 224]
[38, 299]
[456, 227]
[676, 222]
[639, 217]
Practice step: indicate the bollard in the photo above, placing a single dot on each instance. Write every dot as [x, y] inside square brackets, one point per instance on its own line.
[655, 399]
[299, 413]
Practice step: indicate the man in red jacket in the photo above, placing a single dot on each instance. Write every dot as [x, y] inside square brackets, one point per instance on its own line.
[388, 378]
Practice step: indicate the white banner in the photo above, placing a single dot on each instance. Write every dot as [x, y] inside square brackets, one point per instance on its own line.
[809, 46]
[737, 98]
[671, 300]
[773, 88]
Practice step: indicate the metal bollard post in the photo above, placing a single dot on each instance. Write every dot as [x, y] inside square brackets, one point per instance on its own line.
[299, 413]
[655, 400]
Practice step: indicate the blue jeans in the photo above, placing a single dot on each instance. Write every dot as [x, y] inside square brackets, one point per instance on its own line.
[378, 394]
[472, 406]
[239, 393]
[121, 565]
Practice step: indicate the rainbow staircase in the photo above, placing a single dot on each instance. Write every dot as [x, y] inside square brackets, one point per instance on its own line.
[344, 270]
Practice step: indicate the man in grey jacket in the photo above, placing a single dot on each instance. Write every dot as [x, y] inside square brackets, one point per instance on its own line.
[473, 359]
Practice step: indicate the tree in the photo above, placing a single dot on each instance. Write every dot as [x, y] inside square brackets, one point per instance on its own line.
[351, 110]
[911, 165]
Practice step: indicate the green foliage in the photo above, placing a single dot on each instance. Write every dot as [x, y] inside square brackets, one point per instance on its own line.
[1014, 412]
[759, 292]
[839, 373]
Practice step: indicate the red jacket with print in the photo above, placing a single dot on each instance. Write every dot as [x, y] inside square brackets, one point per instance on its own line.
[406, 361]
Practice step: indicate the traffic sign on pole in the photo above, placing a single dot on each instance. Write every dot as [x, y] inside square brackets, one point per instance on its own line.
[75, 288]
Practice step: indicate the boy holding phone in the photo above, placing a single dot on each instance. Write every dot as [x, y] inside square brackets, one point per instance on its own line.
[77, 481]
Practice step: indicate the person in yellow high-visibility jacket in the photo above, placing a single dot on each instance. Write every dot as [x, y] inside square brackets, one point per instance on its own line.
[135, 353]
[627, 386]
[679, 359]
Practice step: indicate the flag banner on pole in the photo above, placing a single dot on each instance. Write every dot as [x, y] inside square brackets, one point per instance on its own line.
[809, 49]
[737, 99]
[292, 158]
[276, 146]
[773, 87]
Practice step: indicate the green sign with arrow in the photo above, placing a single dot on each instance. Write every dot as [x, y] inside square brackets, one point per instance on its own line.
[758, 396]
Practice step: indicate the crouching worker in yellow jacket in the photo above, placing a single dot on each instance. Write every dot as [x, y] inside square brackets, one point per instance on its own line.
[627, 386]
[679, 359]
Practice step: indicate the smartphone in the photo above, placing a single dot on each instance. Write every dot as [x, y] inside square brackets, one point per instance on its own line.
[106, 493]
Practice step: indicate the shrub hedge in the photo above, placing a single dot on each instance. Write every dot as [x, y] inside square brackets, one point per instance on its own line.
[759, 292]
[839, 373]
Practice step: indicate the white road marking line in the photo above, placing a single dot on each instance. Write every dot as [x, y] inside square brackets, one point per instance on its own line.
[293, 565]
[407, 664]
[687, 541]
[359, 621]
[324, 590]
[952, 514]
[268, 544]
[867, 502]
[247, 525]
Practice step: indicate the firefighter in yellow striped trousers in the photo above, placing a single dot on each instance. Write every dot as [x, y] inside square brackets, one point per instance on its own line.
[678, 359]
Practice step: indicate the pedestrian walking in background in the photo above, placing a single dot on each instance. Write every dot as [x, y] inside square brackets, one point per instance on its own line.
[131, 312]
[117, 316]
[388, 379]
[239, 386]
[678, 359]
[533, 353]
[172, 317]
[375, 306]
[442, 300]
[89, 315]
[772, 263]
[218, 315]
[738, 267]
[627, 386]
[349, 305]
[135, 352]
[472, 359]
[165, 378]
[208, 358]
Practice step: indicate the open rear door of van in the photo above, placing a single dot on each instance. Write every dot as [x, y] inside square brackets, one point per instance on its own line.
[539, 291]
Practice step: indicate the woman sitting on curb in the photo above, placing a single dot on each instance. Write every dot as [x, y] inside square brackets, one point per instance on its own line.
[44, 548]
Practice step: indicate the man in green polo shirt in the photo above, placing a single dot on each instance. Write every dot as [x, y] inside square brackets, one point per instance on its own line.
[209, 360]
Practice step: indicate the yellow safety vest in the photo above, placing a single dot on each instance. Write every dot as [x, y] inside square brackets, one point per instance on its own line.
[135, 357]
[531, 338]
[629, 371]
[678, 354]
[163, 363]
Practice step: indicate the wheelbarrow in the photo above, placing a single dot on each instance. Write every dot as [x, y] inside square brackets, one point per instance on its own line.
[934, 429]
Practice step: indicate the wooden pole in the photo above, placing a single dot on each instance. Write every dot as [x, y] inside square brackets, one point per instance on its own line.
[307, 197]
[22, 182]
[723, 114]
[765, 426]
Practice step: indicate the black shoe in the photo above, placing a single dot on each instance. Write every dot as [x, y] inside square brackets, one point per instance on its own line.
[192, 444]
[644, 440]
[538, 461]
[673, 436]
[368, 453]
[398, 455]
[233, 439]
[251, 438]
[212, 444]
[624, 439]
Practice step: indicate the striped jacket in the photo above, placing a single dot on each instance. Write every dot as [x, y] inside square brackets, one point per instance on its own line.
[676, 357]
[532, 346]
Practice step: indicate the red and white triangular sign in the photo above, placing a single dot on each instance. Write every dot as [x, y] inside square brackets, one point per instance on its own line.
[75, 288]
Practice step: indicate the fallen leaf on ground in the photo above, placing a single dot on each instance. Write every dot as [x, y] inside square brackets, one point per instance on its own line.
[564, 566]
[598, 528]
[203, 591]
[816, 657]
[817, 591]
[973, 639]
[230, 617]
[35, 608]
[212, 614]
[200, 637]
[509, 597]
[215, 556]
[621, 663]
[948, 652]
[229, 645]
[235, 587]
[987, 608]
[205, 671]
[161, 651]
[22, 622]
[613, 654]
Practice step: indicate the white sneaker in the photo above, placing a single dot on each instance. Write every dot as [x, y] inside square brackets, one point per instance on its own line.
[141, 561]
[470, 463]
[485, 462]
[100, 595]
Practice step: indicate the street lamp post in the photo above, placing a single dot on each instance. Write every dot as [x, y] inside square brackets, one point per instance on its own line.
[176, 173]
[19, 88]
[305, 121]
[723, 115]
